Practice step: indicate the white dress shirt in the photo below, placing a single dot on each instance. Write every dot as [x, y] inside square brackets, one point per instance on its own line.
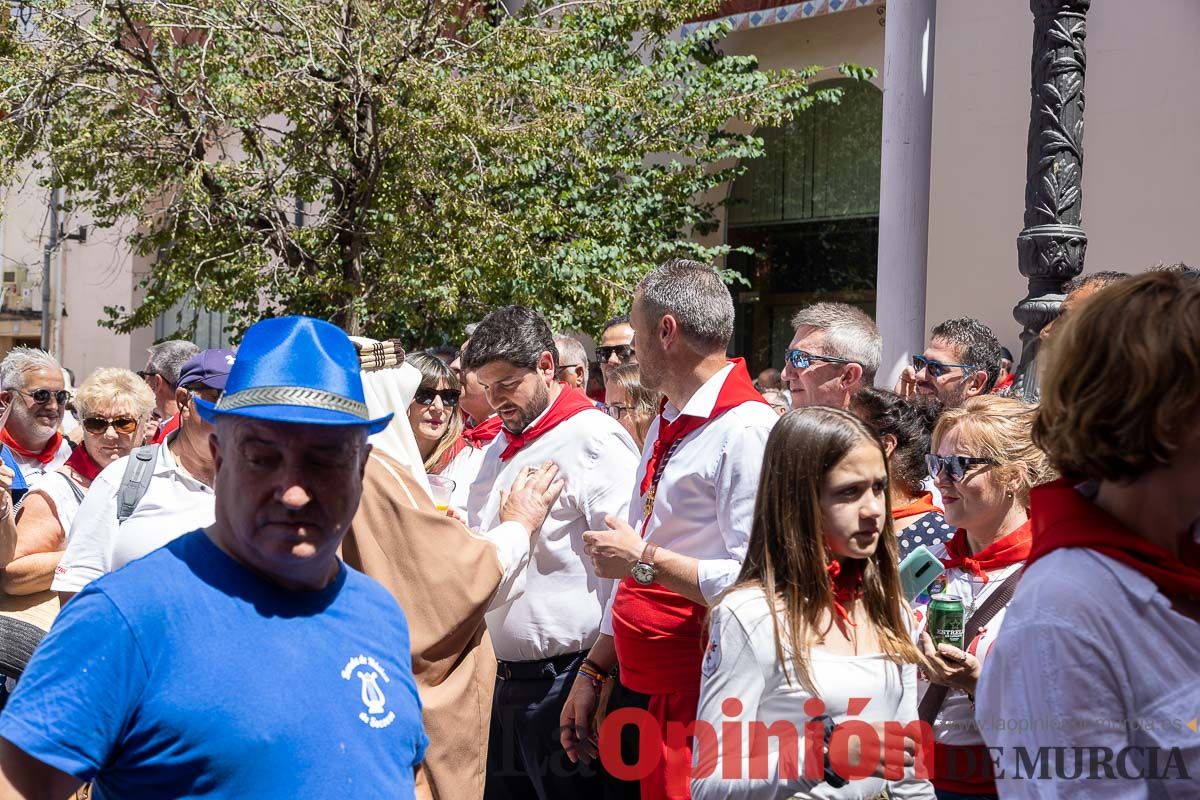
[557, 608]
[1092, 655]
[704, 503]
[463, 470]
[741, 663]
[175, 503]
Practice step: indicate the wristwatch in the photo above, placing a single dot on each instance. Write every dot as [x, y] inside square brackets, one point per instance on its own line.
[643, 571]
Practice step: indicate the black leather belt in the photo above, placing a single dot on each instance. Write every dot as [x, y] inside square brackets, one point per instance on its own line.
[537, 670]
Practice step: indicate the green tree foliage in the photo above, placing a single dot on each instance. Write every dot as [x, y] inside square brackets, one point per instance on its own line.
[446, 157]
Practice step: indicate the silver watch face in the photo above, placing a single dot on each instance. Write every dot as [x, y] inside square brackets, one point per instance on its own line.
[643, 573]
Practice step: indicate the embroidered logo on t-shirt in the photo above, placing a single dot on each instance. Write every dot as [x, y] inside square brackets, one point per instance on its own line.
[712, 654]
[371, 693]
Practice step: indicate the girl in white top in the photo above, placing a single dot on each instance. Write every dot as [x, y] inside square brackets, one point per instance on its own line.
[115, 405]
[820, 571]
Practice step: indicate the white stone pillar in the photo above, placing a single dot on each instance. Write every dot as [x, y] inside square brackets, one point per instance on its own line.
[904, 183]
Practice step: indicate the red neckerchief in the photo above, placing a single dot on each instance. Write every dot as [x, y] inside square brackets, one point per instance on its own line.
[1064, 518]
[1011, 549]
[568, 403]
[845, 581]
[82, 462]
[168, 427]
[921, 505]
[45, 457]
[737, 389]
[459, 445]
[482, 434]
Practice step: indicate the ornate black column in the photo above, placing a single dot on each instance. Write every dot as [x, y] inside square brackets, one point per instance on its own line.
[1050, 249]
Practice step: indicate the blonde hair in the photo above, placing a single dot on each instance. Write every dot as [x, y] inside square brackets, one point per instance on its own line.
[999, 428]
[1116, 417]
[113, 387]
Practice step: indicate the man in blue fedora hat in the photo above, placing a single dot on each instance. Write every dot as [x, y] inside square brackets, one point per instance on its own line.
[244, 659]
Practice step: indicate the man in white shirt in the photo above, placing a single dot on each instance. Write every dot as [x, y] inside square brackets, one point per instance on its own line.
[541, 628]
[178, 498]
[689, 518]
[33, 387]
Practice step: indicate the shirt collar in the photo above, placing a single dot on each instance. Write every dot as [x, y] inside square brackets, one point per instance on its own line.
[703, 401]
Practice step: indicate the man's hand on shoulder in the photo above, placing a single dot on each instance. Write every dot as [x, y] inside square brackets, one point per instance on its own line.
[531, 496]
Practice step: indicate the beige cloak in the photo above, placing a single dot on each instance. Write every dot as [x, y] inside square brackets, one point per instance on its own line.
[443, 577]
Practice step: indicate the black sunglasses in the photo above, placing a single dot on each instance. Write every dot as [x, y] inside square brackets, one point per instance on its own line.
[426, 397]
[624, 352]
[42, 396]
[799, 359]
[937, 369]
[124, 425]
[955, 466]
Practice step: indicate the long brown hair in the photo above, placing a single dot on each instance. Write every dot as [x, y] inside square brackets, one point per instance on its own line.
[787, 556]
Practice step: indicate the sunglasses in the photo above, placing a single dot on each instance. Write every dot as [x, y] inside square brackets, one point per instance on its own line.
[937, 369]
[126, 425]
[800, 359]
[426, 397]
[955, 466]
[42, 396]
[624, 352]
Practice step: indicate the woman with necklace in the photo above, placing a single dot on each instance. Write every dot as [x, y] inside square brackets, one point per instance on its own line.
[780, 653]
[984, 463]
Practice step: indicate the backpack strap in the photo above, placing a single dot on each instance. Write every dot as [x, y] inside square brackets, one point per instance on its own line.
[935, 695]
[136, 480]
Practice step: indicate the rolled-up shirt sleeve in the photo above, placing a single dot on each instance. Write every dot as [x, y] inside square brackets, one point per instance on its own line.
[738, 468]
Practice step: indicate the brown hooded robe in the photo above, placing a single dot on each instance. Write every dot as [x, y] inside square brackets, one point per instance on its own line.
[443, 576]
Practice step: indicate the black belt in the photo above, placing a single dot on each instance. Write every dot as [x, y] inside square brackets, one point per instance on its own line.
[536, 670]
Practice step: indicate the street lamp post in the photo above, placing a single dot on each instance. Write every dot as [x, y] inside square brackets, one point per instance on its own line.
[1051, 247]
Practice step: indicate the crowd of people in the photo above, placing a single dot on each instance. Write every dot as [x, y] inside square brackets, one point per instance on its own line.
[521, 567]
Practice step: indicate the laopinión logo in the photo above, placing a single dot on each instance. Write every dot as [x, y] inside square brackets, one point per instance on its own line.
[748, 745]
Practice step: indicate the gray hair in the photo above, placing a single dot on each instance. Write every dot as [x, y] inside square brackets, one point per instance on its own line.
[696, 296]
[571, 351]
[167, 358]
[21, 360]
[849, 333]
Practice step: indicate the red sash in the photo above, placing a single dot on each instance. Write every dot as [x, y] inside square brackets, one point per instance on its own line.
[82, 462]
[1011, 549]
[1064, 518]
[44, 457]
[660, 638]
[568, 403]
[482, 434]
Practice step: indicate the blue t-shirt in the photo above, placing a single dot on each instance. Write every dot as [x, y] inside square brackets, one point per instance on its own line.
[186, 675]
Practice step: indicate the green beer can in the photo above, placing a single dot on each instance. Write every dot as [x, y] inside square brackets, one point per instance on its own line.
[946, 620]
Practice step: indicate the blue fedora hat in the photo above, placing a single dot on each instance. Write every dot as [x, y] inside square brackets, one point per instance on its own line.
[295, 369]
